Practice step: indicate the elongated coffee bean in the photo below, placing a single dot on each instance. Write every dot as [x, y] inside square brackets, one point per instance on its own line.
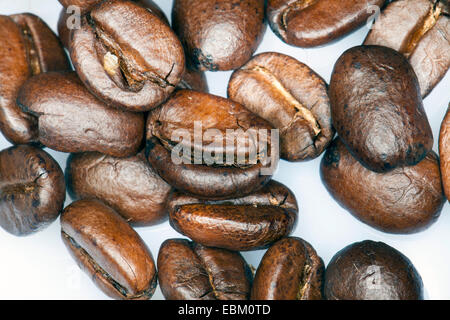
[32, 189]
[190, 271]
[108, 250]
[289, 95]
[246, 223]
[289, 270]
[404, 200]
[444, 152]
[377, 109]
[70, 119]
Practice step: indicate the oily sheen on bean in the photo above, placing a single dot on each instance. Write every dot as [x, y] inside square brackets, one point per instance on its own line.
[108, 250]
[247, 223]
[289, 270]
[190, 271]
[70, 119]
[377, 108]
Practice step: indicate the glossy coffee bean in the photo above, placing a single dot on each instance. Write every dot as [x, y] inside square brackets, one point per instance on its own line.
[292, 97]
[70, 119]
[190, 271]
[27, 47]
[377, 109]
[289, 270]
[128, 185]
[32, 190]
[371, 270]
[219, 34]
[444, 152]
[404, 200]
[422, 36]
[108, 250]
[246, 223]
[316, 22]
[172, 127]
[127, 65]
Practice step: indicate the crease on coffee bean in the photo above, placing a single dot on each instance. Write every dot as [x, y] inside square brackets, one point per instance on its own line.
[102, 273]
[31, 50]
[21, 187]
[294, 6]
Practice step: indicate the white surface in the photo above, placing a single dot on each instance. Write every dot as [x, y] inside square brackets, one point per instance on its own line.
[39, 266]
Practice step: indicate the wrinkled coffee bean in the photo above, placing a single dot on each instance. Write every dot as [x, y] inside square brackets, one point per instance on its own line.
[404, 200]
[246, 223]
[32, 190]
[371, 270]
[108, 250]
[134, 67]
[219, 34]
[423, 36]
[289, 270]
[377, 108]
[190, 271]
[70, 119]
[289, 95]
[128, 185]
[309, 23]
[27, 47]
[444, 152]
[209, 166]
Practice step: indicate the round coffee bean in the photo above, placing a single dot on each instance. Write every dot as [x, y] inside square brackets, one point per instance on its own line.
[32, 189]
[371, 270]
[444, 152]
[70, 119]
[108, 250]
[377, 108]
[290, 96]
[246, 223]
[289, 270]
[190, 271]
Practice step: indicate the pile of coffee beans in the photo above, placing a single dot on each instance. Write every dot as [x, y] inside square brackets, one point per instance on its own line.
[148, 142]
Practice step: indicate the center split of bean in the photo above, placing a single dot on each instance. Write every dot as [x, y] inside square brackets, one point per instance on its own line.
[296, 5]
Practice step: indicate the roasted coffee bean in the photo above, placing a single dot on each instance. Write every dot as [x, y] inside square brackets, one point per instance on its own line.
[128, 185]
[371, 270]
[108, 250]
[32, 190]
[289, 270]
[27, 47]
[209, 146]
[444, 152]
[404, 200]
[190, 271]
[246, 223]
[289, 95]
[309, 23]
[127, 65]
[219, 34]
[70, 119]
[423, 36]
[377, 108]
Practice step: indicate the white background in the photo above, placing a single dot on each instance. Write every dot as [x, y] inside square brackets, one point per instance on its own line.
[39, 266]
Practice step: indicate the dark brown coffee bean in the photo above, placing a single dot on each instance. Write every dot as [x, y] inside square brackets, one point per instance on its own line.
[309, 23]
[289, 270]
[219, 34]
[128, 185]
[289, 95]
[444, 152]
[70, 119]
[190, 271]
[422, 36]
[404, 200]
[228, 165]
[108, 250]
[246, 223]
[377, 108]
[134, 67]
[32, 190]
[27, 47]
[371, 270]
